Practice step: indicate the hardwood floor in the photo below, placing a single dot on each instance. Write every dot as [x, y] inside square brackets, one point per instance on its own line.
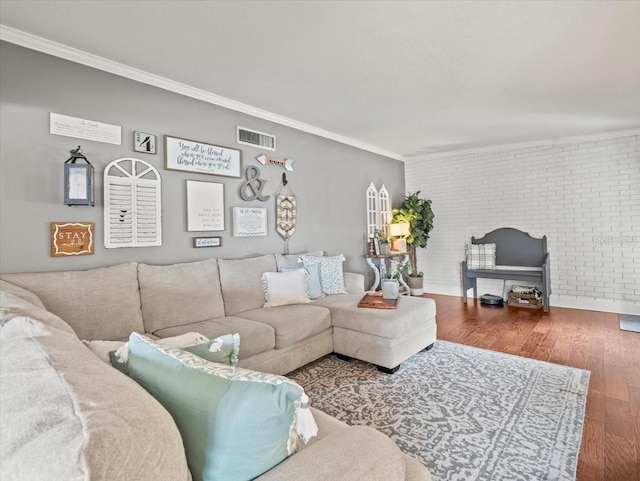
[610, 449]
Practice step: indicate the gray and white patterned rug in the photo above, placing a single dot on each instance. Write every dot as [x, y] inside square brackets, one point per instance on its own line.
[467, 413]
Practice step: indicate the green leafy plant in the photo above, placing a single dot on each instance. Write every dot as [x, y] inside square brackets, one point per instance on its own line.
[397, 270]
[382, 236]
[417, 212]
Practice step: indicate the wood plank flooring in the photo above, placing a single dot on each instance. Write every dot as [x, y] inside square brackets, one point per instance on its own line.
[610, 449]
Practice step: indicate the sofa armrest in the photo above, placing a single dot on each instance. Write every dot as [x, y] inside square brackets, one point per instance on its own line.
[351, 454]
[354, 282]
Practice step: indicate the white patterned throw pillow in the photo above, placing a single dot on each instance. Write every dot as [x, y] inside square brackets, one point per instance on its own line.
[481, 256]
[331, 275]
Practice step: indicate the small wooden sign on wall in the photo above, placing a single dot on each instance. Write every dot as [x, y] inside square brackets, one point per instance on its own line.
[71, 239]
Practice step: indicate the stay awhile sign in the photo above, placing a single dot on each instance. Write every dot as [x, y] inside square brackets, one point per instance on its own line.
[71, 239]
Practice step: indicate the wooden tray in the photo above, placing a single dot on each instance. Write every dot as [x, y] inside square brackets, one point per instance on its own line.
[375, 301]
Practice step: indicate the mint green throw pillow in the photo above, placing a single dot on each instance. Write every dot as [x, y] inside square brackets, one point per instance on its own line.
[235, 424]
[314, 286]
[223, 349]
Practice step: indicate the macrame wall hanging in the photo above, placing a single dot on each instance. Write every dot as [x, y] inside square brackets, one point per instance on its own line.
[286, 212]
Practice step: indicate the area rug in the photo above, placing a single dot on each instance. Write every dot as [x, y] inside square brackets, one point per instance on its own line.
[629, 322]
[467, 413]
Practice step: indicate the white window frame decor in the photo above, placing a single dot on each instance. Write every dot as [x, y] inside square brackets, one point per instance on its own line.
[372, 210]
[384, 209]
[132, 204]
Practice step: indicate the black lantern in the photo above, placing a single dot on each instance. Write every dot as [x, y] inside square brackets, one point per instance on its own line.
[78, 180]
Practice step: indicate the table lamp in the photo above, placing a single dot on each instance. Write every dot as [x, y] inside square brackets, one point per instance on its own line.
[399, 232]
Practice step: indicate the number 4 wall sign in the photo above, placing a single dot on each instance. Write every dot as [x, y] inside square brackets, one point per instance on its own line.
[145, 143]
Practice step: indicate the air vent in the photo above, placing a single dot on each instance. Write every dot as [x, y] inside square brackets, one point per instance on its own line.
[256, 139]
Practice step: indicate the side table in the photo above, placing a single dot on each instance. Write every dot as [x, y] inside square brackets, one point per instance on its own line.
[379, 265]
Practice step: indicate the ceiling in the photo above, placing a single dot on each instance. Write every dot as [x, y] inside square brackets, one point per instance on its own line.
[403, 78]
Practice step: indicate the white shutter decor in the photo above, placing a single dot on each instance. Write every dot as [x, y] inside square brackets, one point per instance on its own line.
[132, 204]
[384, 208]
[372, 210]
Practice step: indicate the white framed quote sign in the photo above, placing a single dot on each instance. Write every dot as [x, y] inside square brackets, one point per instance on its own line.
[249, 221]
[205, 206]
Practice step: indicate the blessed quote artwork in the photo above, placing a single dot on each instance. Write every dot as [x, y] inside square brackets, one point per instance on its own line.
[192, 156]
[71, 239]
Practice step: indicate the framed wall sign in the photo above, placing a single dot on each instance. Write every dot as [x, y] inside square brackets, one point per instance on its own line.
[193, 156]
[207, 241]
[205, 206]
[249, 221]
[71, 239]
[84, 129]
[145, 143]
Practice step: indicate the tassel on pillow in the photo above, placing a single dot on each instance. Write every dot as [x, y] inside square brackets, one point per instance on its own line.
[306, 426]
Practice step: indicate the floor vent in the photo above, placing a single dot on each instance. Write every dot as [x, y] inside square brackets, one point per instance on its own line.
[256, 139]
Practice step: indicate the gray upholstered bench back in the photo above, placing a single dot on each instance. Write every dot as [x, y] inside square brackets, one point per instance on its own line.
[515, 248]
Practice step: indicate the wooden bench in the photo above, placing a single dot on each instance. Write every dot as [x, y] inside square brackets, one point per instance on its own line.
[519, 257]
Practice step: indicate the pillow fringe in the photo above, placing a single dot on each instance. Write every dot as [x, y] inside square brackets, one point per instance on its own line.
[306, 426]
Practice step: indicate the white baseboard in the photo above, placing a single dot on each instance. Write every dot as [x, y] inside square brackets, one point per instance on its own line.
[588, 304]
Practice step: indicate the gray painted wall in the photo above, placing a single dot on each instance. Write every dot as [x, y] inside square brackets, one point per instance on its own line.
[329, 178]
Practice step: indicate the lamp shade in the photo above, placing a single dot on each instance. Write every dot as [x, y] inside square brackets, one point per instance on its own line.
[399, 230]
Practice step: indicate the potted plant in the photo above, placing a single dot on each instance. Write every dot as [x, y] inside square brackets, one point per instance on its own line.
[391, 279]
[383, 242]
[418, 214]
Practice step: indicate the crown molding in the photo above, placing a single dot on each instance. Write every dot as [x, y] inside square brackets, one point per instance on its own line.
[526, 145]
[40, 44]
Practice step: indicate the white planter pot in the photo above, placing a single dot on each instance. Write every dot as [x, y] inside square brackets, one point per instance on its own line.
[390, 289]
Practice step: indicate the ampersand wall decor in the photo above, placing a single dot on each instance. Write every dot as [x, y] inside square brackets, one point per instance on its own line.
[251, 189]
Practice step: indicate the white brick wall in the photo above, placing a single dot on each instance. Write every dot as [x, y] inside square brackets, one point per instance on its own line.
[585, 196]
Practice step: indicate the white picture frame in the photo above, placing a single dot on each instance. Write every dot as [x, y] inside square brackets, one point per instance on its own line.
[250, 222]
[205, 206]
[202, 158]
[207, 241]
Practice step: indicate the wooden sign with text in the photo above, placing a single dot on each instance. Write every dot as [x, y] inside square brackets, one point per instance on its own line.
[71, 239]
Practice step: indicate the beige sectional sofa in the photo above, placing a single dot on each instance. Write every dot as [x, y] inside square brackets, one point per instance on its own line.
[68, 415]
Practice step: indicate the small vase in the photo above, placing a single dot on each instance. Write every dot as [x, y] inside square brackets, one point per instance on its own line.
[384, 249]
[390, 289]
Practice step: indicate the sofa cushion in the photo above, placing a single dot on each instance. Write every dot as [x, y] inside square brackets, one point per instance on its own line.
[354, 454]
[236, 424]
[14, 306]
[285, 288]
[255, 337]
[291, 323]
[242, 282]
[66, 415]
[98, 304]
[179, 294]
[410, 316]
[293, 260]
[22, 293]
